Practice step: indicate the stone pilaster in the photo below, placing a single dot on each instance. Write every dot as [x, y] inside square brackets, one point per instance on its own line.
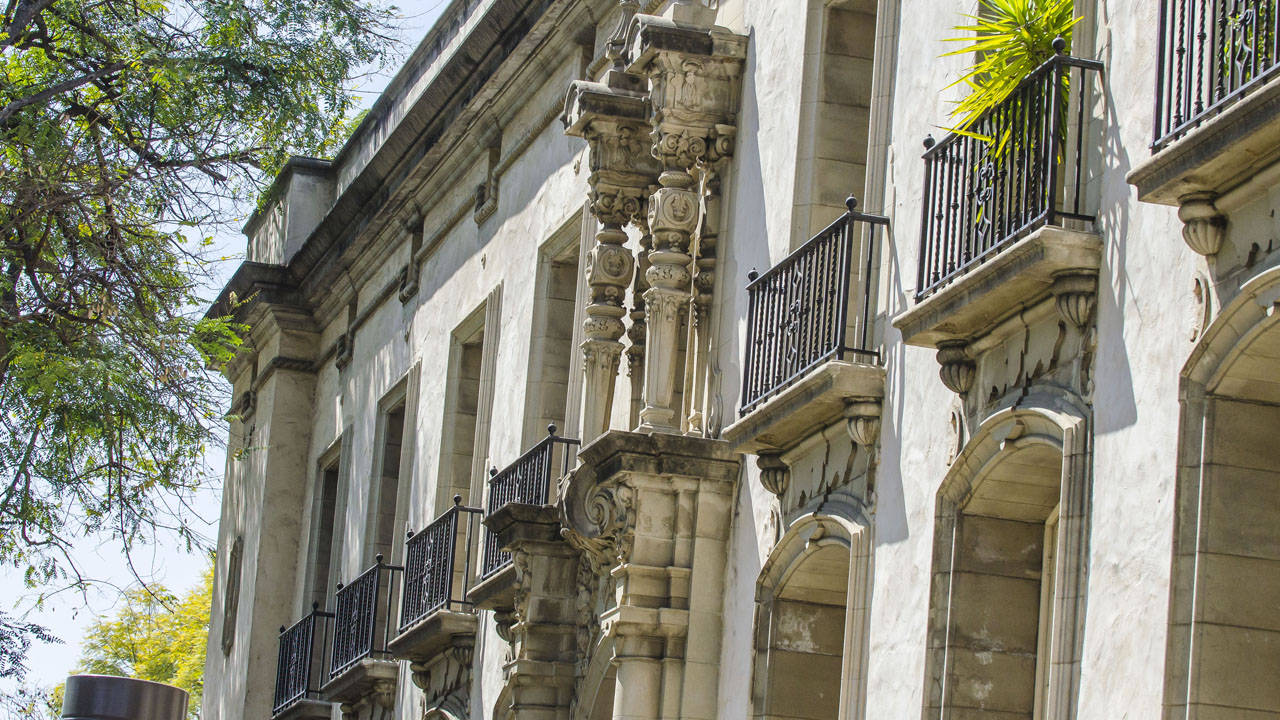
[655, 510]
[613, 122]
[544, 613]
[693, 76]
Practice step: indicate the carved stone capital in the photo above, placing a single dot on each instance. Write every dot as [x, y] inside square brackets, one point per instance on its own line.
[958, 369]
[1076, 295]
[1203, 227]
[862, 420]
[775, 476]
[615, 125]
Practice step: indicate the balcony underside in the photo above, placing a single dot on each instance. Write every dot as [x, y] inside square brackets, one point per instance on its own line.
[306, 709]
[1018, 277]
[360, 680]
[1222, 153]
[424, 640]
[814, 402]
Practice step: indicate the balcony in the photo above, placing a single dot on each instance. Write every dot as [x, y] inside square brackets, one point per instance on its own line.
[434, 606]
[360, 663]
[809, 343]
[300, 668]
[1217, 108]
[1007, 219]
[526, 481]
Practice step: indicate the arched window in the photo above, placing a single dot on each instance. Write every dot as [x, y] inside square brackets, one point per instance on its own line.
[1006, 603]
[1224, 617]
[810, 622]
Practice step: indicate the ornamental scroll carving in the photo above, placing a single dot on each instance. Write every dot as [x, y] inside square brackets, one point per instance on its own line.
[600, 519]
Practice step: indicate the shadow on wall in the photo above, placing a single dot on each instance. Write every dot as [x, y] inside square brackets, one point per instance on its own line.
[1120, 409]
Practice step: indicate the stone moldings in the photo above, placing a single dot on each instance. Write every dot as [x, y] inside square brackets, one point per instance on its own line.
[653, 512]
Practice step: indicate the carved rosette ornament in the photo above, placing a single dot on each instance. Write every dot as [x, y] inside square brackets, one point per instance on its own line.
[1203, 227]
[612, 121]
[958, 369]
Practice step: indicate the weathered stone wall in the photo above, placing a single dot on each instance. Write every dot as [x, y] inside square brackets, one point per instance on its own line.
[792, 163]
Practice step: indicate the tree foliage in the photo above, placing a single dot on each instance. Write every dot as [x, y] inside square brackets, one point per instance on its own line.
[1009, 39]
[128, 128]
[155, 635]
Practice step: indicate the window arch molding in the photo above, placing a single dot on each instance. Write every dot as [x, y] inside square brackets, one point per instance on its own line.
[837, 530]
[1047, 420]
[1209, 394]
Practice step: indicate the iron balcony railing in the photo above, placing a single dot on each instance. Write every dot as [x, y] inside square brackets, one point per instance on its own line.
[1020, 166]
[300, 663]
[362, 617]
[799, 314]
[437, 564]
[1211, 53]
[527, 480]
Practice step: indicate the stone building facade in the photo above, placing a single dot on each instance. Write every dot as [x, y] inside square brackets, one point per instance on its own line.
[578, 388]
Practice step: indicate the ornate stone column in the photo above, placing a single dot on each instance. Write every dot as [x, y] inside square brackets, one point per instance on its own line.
[613, 122]
[693, 75]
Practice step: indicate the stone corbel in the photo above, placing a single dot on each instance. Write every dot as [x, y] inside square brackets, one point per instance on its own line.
[446, 680]
[1076, 296]
[862, 418]
[1203, 227]
[775, 475]
[958, 370]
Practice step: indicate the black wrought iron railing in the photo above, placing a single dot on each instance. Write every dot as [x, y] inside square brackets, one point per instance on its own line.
[437, 564]
[799, 312]
[1021, 166]
[1212, 52]
[362, 617]
[300, 662]
[527, 480]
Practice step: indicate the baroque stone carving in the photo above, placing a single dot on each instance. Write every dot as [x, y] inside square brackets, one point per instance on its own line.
[446, 680]
[600, 520]
[1203, 227]
[958, 370]
[612, 121]
[693, 92]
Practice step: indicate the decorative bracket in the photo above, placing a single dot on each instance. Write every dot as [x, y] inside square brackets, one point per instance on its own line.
[958, 369]
[1203, 228]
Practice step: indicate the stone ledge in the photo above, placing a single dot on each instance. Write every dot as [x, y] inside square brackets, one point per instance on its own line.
[660, 453]
[1020, 276]
[360, 680]
[424, 640]
[306, 709]
[1223, 152]
[805, 407]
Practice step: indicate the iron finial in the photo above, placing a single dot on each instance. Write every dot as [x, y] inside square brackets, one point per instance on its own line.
[281, 629]
[551, 429]
[315, 605]
[457, 499]
[408, 533]
[1059, 44]
[851, 202]
[378, 558]
[339, 587]
[751, 276]
[493, 471]
[929, 141]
